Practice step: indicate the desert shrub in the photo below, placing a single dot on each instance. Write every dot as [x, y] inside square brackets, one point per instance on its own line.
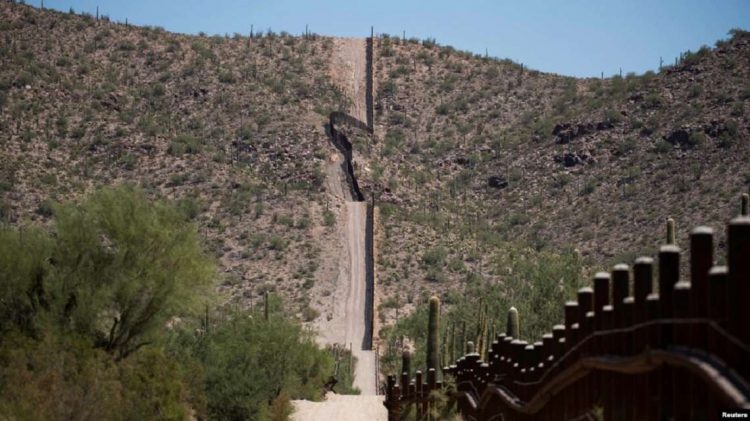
[64, 377]
[329, 218]
[695, 91]
[129, 161]
[537, 284]
[435, 257]
[692, 58]
[626, 146]
[696, 139]
[277, 243]
[387, 89]
[184, 144]
[226, 76]
[651, 101]
[248, 362]
[82, 311]
[612, 116]
[589, 186]
[662, 146]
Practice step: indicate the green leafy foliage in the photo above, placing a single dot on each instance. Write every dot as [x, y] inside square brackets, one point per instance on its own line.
[536, 283]
[249, 362]
[99, 319]
[77, 303]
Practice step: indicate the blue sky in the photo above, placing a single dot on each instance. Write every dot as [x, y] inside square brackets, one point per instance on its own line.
[570, 37]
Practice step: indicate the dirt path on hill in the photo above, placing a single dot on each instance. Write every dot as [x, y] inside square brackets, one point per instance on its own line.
[349, 70]
[342, 408]
[345, 324]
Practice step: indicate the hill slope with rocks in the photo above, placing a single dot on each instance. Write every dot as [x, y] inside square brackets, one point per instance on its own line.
[472, 157]
[479, 158]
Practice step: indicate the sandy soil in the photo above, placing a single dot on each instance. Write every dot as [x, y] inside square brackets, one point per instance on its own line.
[342, 408]
[349, 70]
[347, 322]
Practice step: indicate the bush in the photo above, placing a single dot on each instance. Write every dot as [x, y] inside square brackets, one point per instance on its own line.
[537, 284]
[696, 139]
[77, 305]
[248, 362]
[435, 257]
[226, 76]
[662, 146]
[329, 219]
[612, 116]
[184, 144]
[652, 101]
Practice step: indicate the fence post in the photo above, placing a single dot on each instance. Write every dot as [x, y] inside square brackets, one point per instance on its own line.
[718, 291]
[571, 314]
[681, 381]
[419, 395]
[701, 260]
[738, 238]
[620, 288]
[406, 362]
[392, 399]
[669, 275]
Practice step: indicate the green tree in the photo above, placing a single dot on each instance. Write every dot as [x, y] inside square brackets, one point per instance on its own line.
[252, 365]
[116, 268]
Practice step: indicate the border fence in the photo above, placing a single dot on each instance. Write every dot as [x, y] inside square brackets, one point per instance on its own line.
[634, 347]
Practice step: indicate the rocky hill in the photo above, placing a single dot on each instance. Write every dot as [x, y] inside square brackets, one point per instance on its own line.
[472, 158]
[230, 127]
[478, 158]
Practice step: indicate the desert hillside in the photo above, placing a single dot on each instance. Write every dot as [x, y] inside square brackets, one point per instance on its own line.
[478, 157]
[232, 128]
[471, 156]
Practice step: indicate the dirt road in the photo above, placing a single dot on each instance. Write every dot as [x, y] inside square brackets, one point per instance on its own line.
[349, 70]
[346, 322]
[347, 326]
[342, 408]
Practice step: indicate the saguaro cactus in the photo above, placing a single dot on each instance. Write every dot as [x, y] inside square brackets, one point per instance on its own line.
[462, 339]
[265, 305]
[433, 346]
[483, 338]
[512, 328]
[453, 344]
[745, 204]
[670, 231]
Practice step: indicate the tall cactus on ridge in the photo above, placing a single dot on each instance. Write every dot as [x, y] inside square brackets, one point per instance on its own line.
[433, 345]
[670, 231]
[512, 329]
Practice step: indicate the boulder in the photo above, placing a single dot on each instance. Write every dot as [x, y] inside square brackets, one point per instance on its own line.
[571, 159]
[497, 182]
[715, 129]
[678, 137]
